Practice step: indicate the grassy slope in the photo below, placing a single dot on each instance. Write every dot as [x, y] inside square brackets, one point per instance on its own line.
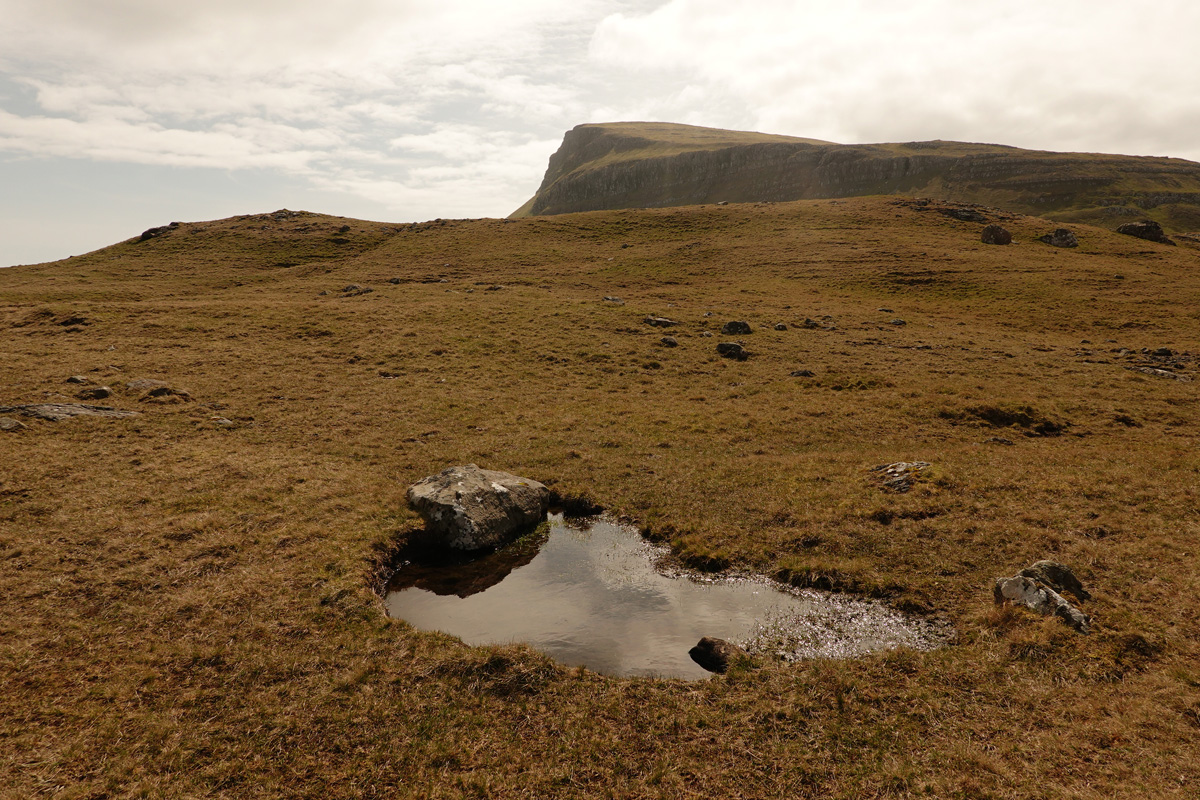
[188, 611]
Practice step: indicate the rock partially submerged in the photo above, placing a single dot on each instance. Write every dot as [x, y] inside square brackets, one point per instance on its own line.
[715, 654]
[1037, 587]
[468, 508]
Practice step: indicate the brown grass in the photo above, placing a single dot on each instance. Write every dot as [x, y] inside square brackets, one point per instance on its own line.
[187, 606]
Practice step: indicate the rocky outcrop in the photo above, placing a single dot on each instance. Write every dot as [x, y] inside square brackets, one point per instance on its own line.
[1061, 237]
[468, 508]
[56, 412]
[650, 165]
[1038, 587]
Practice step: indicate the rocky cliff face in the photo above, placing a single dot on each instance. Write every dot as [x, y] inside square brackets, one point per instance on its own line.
[637, 165]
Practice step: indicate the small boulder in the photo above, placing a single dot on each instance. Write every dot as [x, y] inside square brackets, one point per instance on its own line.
[669, 341]
[468, 508]
[901, 475]
[611, 299]
[1056, 576]
[95, 393]
[803, 373]
[995, 234]
[1032, 594]
[1060, 238]
[735, 328]
[732, 350]
[781, 326]
[10, 424]
[810, 323]
[78, 380]
[1147, 229]
[715, 654]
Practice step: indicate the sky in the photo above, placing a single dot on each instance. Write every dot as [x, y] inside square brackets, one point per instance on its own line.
[121, 115]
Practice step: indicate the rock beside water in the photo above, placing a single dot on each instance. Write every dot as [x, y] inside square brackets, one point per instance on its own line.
[714, 654]
[468, 508]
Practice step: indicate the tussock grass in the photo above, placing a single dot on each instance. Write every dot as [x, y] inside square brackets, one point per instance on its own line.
[189, 607]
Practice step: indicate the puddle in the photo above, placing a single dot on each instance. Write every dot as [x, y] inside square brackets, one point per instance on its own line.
[587, 593]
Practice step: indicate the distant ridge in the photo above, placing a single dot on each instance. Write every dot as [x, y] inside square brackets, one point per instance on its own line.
[656, 164]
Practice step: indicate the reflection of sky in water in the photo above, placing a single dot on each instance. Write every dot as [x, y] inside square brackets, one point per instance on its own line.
[593, 598]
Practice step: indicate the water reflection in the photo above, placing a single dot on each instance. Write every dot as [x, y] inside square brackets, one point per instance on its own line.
[589, 595]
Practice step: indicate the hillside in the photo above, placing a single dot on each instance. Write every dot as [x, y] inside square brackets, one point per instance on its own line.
[652, 165]
[189, 598]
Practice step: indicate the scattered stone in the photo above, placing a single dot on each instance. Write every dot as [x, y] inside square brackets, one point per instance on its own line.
[1162, 352]
[732, 350]
[1041, 598]
[354, 290]
[494, 288]
[1058, 577]
[166, 394]
[706, 334]
[144, 385]
[154, 233]
[996, 234]
[78, 380]
[1001, 440]
[900, 476]
[708, 313]
[735, 328]
[56, 412]
[884, 310]
[1147, 229]
[781, 327]
[899, 322]
[95, 393]
[669, 341]
[469, 508]
[804, 373]
[715, 654]
[616, 300]
[660, 322]
[394, 281]
[223, 422]
[1060, 238]
[810, 323]
[964, 214]
[10, 424]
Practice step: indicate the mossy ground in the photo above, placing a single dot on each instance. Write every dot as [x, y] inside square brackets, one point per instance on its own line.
[188, 606]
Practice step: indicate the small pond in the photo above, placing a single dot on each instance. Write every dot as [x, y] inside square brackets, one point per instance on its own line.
[587, 592]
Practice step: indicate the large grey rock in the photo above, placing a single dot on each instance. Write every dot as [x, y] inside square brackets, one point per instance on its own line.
[469, 508]
[1147, 229]
[1041, 598]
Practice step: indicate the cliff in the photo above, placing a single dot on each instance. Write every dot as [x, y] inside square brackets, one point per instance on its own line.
[638, 165]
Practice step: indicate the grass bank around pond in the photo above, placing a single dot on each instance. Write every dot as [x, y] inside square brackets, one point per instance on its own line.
[187, 595]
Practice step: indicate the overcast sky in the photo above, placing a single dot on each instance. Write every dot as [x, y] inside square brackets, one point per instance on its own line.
[119, 115]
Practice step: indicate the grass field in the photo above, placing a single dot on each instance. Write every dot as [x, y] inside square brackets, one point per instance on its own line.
[190, 602]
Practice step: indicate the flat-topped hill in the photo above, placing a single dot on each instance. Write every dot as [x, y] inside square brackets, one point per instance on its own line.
[643, 164]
